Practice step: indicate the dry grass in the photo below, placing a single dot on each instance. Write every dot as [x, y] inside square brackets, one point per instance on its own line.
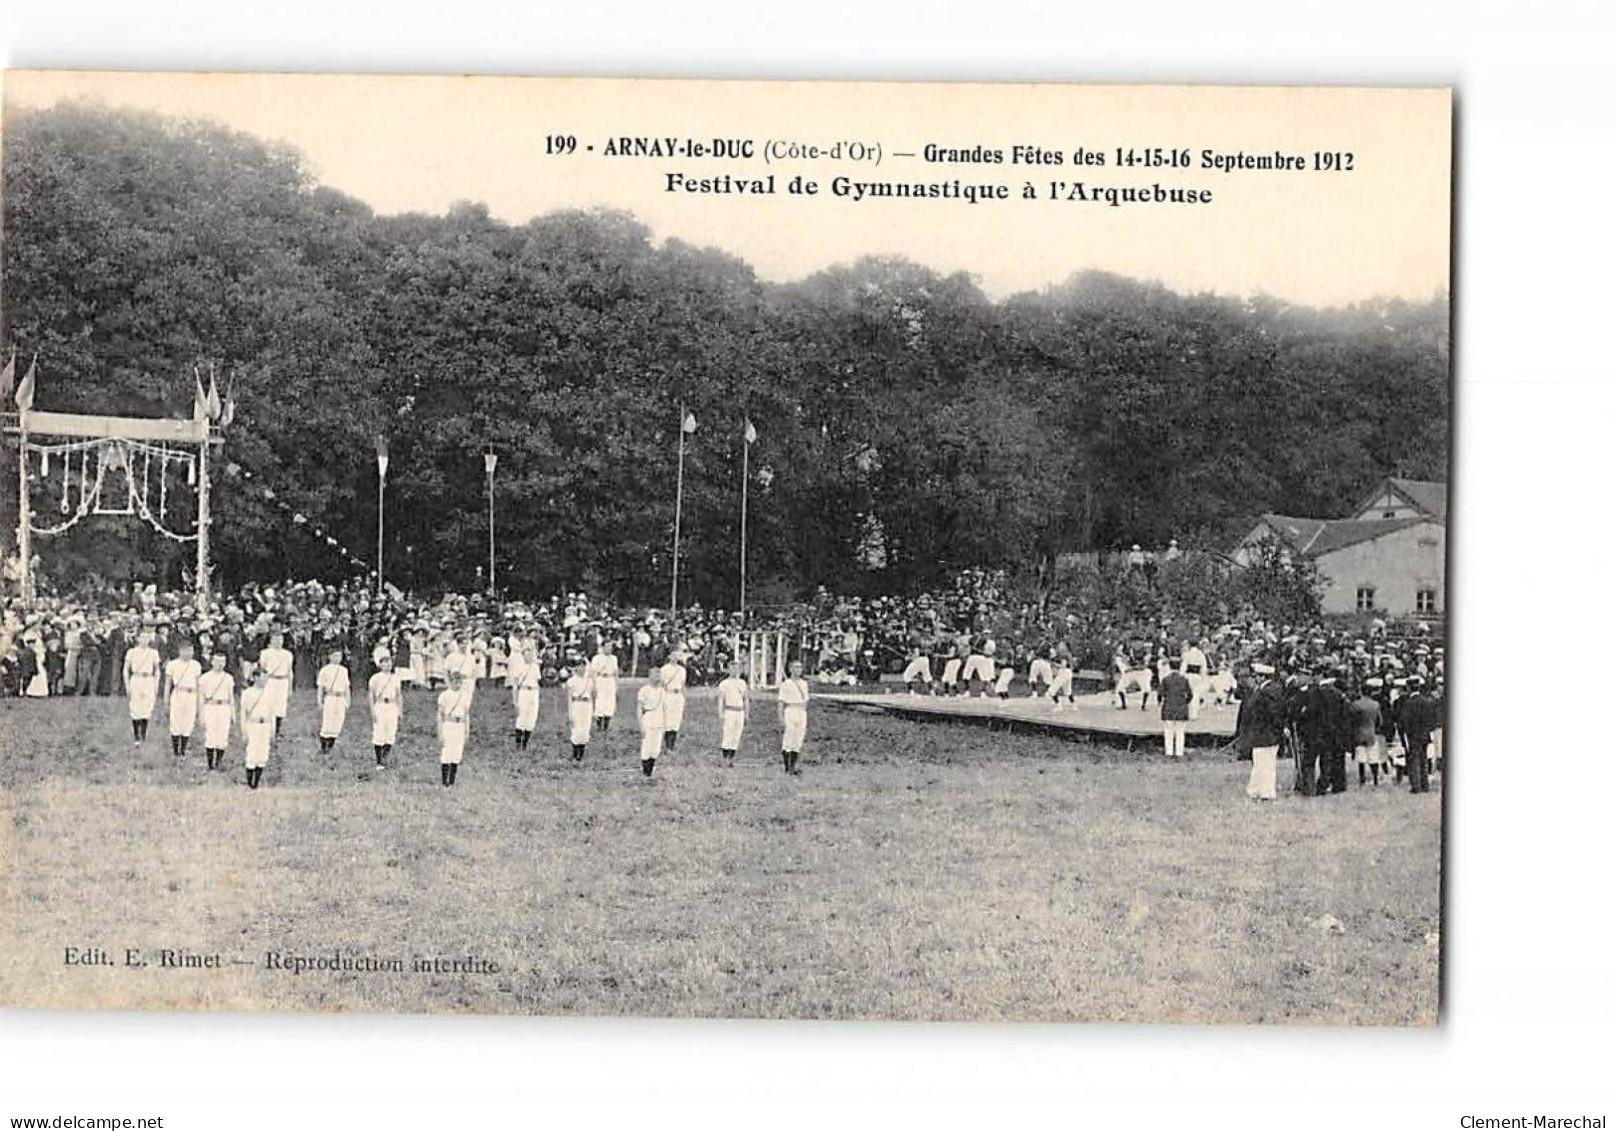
[913, 871]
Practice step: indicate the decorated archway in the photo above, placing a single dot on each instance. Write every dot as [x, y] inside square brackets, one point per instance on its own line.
[151, 469]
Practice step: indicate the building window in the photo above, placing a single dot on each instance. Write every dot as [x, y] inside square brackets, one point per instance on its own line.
[1425, 599]
[1366, 598]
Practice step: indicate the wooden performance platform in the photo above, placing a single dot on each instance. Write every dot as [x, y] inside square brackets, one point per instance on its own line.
[1092, 718]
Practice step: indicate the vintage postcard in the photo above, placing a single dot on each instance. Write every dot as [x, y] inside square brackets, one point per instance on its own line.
[816, 550]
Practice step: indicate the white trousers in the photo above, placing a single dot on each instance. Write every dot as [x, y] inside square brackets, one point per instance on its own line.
[182, 713]
[527, 708]
[384, 724]
[580, 721]
[919, 668]
[673, 711]
[796, 729]
[734, 724]
[650, 741]
[216, 725]
[1264, 782]
[260, 734]
[142, 695]
[1173, 736]
[454, 743]
[605, 697]
[978, 667]
[332, 715]
[1040, 674]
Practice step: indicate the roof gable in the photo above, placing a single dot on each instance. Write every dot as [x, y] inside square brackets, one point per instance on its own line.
[1312, 537]
[1427, 497]
[1432, 498]
[1339, 533]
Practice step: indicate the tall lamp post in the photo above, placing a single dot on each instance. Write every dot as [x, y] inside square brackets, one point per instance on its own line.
[490, 461]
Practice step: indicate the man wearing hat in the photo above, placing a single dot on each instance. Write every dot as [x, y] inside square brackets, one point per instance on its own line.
[1307, 714]
[1175, 695]
[1262, 721]
[1419, 717]
[1339, 722]
[1369, 749]
[386, 694]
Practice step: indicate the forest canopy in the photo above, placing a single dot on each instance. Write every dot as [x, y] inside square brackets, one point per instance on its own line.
[908, 425]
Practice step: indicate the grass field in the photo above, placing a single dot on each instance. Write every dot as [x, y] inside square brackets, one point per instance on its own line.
[912, 872]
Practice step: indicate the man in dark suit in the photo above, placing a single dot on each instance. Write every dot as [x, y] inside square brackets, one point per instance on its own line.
[1419, 717]
[1263, 721]
[1175, 694]
[1336, 728]
[1305, 711]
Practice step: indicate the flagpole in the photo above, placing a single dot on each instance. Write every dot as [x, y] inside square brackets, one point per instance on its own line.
[381, 514]
[25, 520]
[746, 463]
[204, 516]
[490, 459]
[678, 514]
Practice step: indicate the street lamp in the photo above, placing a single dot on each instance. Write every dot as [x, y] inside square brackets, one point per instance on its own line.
[490, 461]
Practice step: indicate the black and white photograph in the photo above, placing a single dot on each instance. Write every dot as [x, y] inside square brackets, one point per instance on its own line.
[713, 549]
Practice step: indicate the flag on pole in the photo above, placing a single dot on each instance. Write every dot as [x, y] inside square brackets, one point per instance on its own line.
[689, 425]
[8, 375]
[751, 433]
[199, 407]
[25, 390]
[215, 405]
[381, 455]
[228, 412]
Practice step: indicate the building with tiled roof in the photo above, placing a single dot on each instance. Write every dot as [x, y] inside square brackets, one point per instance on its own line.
[1389, 558]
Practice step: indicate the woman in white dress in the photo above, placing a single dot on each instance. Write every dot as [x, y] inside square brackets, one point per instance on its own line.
[39, 683]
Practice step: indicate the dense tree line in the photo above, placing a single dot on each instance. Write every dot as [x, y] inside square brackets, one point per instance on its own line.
[908, 425]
